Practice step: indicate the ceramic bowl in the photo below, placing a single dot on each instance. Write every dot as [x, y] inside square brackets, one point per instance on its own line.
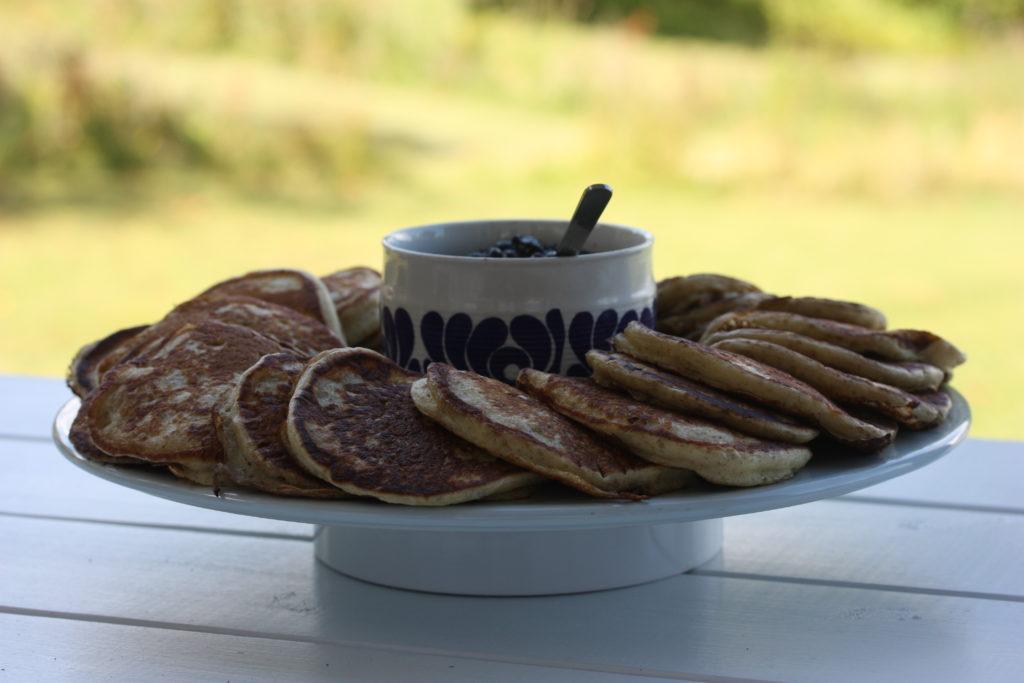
[496, 316]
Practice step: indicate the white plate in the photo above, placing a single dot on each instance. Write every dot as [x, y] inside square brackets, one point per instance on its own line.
[828, 474]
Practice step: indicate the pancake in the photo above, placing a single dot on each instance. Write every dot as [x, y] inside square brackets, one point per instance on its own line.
[522, 430]
[351, 421]
[898, 345]
[839, 386]
[680, 294]
[717, 454]
[355, 293]
[249, 425]
[296, 289]
[693, 322]
[83, 375]
[758, 382]
[652, 385]
[84, 445]
[304, 335]
[299, 333]
[940, 400]
[158, 407]
[906, 375]
[829, 309]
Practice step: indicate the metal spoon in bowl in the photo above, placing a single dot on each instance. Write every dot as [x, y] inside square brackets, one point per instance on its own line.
[595, 198]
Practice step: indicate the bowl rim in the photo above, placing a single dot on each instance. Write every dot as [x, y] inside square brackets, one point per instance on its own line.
[647, 240]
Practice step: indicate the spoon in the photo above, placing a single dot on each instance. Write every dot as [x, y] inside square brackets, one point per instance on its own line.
[595, 198]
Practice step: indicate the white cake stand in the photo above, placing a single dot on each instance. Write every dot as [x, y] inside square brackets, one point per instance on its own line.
[557, 542]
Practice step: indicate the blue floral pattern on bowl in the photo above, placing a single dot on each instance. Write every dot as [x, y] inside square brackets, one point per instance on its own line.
[499, 349]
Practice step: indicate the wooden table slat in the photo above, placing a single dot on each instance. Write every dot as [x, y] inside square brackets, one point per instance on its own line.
[37, 480]
[47, 648]
[689, 624]
[892, 546]
[29, 404]
[979, 473]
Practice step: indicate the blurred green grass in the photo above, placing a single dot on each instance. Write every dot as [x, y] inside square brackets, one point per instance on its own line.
[148, 149]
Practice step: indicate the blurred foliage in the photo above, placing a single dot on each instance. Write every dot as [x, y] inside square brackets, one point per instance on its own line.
[61, 124]
[835, 24]
[284, 97]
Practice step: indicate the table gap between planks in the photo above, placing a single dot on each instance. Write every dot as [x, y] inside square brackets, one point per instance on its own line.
[915, 579]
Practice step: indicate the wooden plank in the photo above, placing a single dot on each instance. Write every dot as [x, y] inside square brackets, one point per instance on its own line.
[692, 625]
[882, 545]
[37, 480]
[46, 649]
[979, 473]
[29, 405]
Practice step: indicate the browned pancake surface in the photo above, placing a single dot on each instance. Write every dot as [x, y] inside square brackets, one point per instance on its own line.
[355, 293]
[898, 345]
[291, 288]
[292, 330]
[300, 333]
[692, 397]
[159, 406]
[676, 295]
[748, 378]
[250, 429]
[84, 445]
[716, 453]
[84, 374]
[508, 409]
[353, 416]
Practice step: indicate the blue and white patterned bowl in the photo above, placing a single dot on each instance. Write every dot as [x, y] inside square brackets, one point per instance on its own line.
[496, 316]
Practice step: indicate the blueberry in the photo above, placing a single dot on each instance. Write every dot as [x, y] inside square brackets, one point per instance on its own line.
[531, 241]
[538, 254]
[503, 244]
[509, 253]
[495, 252]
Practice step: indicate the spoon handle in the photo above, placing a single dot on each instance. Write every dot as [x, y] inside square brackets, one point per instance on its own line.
[595, 198]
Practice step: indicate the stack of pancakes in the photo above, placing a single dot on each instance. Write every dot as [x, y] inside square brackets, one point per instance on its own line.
[159, 394]
[252, 384]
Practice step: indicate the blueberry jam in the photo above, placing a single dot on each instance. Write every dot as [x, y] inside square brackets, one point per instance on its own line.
[520, 246]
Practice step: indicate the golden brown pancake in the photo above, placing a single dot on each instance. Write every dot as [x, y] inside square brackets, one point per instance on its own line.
[158, 407]
[84, 374]
[355, 293]
[649, 384]
[692, 323]
[906, 375]
[250, 423]
[898, 345]
[295, 289]
[680, 294]
[84, 445]
[829, 309]
[717, 454]
[292, 330]
[352, 422]
[300, 333]
[522, 430]
[742, 376]
[839, 386]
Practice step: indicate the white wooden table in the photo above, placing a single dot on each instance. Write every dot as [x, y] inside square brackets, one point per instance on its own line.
[918, 579]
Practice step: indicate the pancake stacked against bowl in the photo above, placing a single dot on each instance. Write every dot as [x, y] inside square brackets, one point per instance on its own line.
[272, 381]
